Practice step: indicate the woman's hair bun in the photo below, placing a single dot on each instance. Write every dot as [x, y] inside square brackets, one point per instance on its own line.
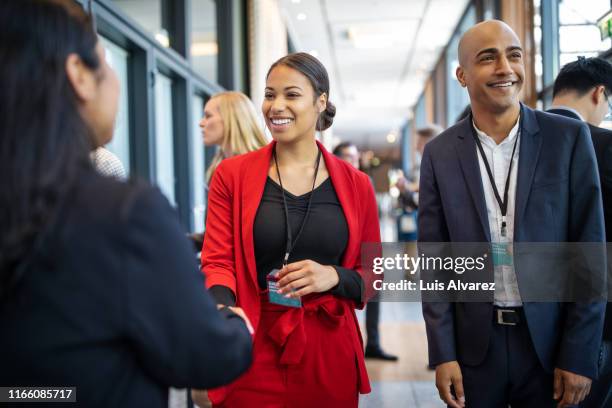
[326, 118]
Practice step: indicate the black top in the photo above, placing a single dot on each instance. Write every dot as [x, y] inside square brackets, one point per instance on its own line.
[114, 304]
[323, 239]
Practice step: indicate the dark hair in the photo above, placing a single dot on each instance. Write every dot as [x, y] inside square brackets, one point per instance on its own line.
[338, 149]
[43, 139]
[429, 131]
[583, 75]
[316, 73]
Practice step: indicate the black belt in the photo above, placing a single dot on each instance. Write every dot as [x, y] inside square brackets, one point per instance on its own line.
[508, 316]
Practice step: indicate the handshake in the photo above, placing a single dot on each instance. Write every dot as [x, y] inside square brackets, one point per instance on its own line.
[200, 397]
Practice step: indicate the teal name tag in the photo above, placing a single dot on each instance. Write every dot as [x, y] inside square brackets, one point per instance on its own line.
[501, 254]
[276, 297]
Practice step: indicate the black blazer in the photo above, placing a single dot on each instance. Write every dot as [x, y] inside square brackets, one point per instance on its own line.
[602, 142]
[114, 304]
[558, 199]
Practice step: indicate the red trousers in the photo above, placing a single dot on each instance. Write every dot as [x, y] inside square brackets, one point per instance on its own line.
[302, 358]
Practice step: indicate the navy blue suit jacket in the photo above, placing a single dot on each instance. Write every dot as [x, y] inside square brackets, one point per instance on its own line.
[558, 199]
[113, 303]
[602, 142]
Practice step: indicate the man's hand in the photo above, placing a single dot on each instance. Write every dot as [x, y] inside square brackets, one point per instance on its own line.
[570, 388]
[306, 277]
[200, 398]
[448, 374]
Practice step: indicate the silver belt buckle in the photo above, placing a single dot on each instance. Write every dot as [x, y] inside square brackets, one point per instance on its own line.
[500, 317]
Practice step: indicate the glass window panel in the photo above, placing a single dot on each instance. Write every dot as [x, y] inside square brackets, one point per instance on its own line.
[164, 143]
[581, 38]
[578, 33]
[570, 57]
[197, 154]
[420, 115]
[457, 97]
[581, 11]
[117, 58]
[148, 14]
[204, 47]
[537, 37]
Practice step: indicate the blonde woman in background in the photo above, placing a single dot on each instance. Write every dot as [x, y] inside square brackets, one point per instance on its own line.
[230, 122]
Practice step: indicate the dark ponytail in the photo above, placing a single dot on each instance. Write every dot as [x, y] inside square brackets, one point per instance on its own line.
[316, 73]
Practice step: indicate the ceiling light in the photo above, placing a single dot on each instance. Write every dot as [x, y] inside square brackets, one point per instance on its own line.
[301, 16]
[364, 41]
[391, 138]
[296, 1]
[203, 49]
[314, 53]
[369, 35]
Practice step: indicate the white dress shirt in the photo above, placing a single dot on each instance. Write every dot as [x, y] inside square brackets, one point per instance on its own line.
[498, 155]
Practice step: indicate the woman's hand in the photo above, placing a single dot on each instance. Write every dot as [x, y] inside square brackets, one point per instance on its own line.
[306, 277]
[240, 313]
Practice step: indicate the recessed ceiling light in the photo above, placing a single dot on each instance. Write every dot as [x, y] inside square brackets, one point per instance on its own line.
[301, 16]
[391, 138]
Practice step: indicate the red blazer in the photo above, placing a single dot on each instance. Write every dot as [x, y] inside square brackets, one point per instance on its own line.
[228, 255]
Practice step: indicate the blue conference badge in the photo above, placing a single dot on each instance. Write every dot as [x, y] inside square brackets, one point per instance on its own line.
[276, 297]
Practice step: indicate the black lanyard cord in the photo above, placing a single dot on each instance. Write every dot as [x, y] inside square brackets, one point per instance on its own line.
[290, 241]
[503, 205]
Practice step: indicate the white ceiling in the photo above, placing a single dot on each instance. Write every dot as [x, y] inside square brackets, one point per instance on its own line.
[378, 53]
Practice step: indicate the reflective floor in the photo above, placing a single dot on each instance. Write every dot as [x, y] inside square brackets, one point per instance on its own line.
[407, 382]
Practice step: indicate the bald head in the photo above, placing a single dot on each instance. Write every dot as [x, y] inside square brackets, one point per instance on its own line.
[491, 67]
[474, 39]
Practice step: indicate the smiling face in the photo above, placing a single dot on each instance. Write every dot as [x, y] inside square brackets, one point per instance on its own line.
[491, 66]
[290, 106]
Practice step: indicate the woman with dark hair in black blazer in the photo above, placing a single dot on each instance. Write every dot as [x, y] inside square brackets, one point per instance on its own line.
[98, 286]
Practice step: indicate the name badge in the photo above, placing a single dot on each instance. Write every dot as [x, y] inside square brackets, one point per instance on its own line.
[278, 298]
[502, 254]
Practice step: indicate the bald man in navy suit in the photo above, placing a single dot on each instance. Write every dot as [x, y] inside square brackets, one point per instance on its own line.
[508, 174]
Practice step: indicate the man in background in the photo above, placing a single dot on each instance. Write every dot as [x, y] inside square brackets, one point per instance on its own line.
[583, 91]
[349, 153]
[409, 187]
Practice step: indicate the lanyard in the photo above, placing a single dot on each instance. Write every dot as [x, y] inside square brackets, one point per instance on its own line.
[290, 241]
[503, 205]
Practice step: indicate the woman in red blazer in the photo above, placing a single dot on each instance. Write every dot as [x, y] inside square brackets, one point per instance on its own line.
[309, 355]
